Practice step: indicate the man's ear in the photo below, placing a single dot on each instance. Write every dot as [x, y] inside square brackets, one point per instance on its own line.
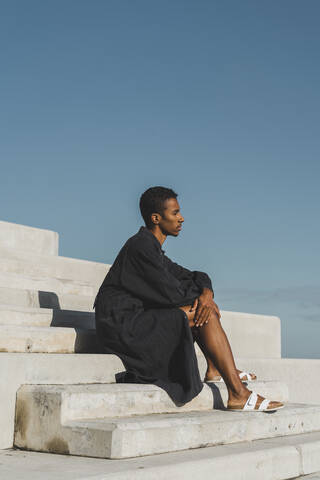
[155, 218]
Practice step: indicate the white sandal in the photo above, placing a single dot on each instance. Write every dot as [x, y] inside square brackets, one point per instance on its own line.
[251, 403]
[241, 375]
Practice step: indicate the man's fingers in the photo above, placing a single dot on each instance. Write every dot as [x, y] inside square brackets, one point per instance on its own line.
[194, 305]
[202, 316]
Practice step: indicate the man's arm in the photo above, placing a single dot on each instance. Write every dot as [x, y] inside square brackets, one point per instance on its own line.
[205, 303]
[145, 276]
[201, 279]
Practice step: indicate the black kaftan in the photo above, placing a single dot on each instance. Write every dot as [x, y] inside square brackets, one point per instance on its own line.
[138, 319]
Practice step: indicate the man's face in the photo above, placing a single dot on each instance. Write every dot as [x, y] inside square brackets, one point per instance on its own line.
[171, 220]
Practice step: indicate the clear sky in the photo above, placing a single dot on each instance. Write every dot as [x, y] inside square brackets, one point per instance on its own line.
[218, 100]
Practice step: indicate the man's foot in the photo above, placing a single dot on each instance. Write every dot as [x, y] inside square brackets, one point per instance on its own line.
[251, 401]
[214, 376]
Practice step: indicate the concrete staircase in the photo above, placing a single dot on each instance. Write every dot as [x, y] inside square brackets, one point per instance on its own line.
[59, 396]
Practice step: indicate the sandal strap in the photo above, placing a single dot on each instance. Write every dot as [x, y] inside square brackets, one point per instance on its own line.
[264, 404]
[243, 374]
[251, 402]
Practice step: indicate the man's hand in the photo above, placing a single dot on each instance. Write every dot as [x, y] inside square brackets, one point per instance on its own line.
[205, 306]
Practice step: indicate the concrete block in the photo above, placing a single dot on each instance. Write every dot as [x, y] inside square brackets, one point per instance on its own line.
[45, 317]
[35, 265]
[278, 458]
[29, 239]
[56, 285]
[13, 315]
[310, 454]
[251, 335]
[23, 339]
[45, 299]
[123, 400]
[35, 368]
[40, 427]
[301, 375]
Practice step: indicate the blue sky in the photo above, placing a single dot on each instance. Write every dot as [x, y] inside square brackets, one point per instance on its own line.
[218, 100]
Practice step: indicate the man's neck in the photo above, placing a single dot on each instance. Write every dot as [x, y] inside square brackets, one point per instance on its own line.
[157, 232]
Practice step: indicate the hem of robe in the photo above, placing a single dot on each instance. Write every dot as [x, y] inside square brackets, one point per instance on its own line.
[179, 392]
[179, 400]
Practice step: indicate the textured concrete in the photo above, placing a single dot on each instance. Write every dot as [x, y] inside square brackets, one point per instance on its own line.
[122, 400]
[47, 340]
[247, 333]
[39, 427]
[271, 459]
[28, 368]
[28, 239]
[45, 299]
[34, 265]
[45, 317]
[301, 375]
[312, 476]
[56, 285]
[251, 335]
[18, 369]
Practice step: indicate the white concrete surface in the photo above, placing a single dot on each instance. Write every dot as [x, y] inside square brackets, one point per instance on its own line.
[272, 459]
[29, 239]
[122, 400]
[301, 375]
[312, 476]
[248, 334]
[39, 427]
[56, 285]
[25, 339]
[27, 368]
[45, 299]
[18, 369]
[45, 317]
[252, 335]
[48, 266]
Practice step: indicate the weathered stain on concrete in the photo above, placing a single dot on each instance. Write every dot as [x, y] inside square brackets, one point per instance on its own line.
[22, 419]
[57, 445]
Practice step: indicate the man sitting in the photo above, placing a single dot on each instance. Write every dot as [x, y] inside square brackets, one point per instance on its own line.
[150, 310]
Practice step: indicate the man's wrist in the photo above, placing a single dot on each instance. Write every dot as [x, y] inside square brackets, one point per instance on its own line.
[207, 291]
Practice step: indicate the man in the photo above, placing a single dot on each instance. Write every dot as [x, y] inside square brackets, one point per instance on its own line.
[149, 312]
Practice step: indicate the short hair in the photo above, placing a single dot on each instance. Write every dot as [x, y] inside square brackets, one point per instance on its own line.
[152, 201]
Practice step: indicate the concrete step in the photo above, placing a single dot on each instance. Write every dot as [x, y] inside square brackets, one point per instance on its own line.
[312, 476]
[40, 368]
[248, 334]
[28, 239]
[47, 339]
[39, 427]
[46, 317]
[45, 299]
[57, 285]
[71, 402]
[279, 458]
[14, 261]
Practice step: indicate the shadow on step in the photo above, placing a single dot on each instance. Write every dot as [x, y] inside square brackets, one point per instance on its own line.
[82, 322]
[217, 399]
[48, 300]
[73, 319]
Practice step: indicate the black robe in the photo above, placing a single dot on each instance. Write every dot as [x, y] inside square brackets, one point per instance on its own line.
[138, 319]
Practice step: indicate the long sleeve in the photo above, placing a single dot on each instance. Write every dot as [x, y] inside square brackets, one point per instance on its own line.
[144, 274]
[201, 279]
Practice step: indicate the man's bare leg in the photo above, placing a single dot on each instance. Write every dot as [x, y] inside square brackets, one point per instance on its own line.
[212, 372]
[212, 338]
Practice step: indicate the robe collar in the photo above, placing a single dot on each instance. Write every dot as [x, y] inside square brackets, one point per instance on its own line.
[147, 232]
